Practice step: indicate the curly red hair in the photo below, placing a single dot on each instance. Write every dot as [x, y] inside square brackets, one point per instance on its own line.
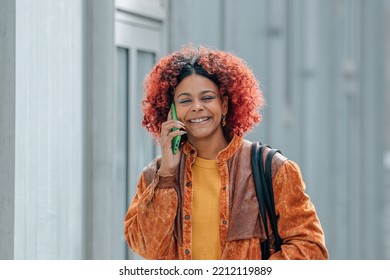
[233, 78]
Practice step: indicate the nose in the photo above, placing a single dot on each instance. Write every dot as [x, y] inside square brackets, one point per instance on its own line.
[197, 106]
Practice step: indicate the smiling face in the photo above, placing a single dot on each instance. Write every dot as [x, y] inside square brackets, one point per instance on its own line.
[200, 107]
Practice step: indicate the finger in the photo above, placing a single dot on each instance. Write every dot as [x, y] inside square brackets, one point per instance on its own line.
[177, 132]
[172, 134]
[172, 124]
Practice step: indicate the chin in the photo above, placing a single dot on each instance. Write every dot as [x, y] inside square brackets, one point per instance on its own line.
[202, 135]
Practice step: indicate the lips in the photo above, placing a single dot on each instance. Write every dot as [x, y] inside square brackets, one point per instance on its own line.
[199, 120]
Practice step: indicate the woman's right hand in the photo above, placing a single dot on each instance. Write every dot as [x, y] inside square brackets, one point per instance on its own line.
[170, 161]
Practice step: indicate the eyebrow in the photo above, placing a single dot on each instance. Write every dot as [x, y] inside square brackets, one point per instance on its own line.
[201, 93]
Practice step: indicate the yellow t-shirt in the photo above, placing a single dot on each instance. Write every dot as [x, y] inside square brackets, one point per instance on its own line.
[206, 183]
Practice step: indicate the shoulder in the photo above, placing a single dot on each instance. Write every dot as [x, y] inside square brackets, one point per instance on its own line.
[150, 170]
[153, 164]
[290, 169]
[277, 160]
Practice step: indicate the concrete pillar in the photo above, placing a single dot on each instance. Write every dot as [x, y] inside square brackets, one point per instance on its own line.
[7, 128]
[100, 140]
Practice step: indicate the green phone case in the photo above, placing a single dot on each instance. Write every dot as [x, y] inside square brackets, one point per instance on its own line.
[176, 139]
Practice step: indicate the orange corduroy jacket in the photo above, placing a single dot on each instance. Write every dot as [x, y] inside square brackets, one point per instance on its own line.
[158, 222]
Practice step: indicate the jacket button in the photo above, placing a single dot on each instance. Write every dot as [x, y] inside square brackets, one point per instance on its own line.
[188, 184]
[187, 251]
[224, 188]
[187, 217]
[224, 222]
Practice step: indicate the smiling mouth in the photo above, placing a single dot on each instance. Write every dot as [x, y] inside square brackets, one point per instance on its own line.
[200, 120]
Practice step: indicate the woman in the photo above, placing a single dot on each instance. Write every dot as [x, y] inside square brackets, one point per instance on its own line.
[200, 203]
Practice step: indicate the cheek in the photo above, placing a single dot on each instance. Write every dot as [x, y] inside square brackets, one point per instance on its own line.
[181, 113]
[218, 109]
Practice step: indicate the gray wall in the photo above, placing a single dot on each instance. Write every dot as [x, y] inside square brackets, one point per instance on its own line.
[63, 170]
[320, 64]
[7, 128]
[65, 193]
[386, 216]
[49, 137]
[102, 221]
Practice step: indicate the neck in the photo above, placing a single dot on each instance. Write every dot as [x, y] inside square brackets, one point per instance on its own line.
[209, 148]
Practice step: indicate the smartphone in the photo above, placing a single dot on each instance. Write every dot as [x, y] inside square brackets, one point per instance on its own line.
[176, 139]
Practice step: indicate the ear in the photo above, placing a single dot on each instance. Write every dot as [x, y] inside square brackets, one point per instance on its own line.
[225, 104]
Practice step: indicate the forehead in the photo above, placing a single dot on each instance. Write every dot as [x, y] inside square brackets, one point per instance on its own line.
[195, 84]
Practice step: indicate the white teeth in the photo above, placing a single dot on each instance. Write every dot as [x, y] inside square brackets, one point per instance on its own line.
[199, 120]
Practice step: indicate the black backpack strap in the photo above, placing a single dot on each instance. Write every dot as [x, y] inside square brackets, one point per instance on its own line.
[270, 199]
[256, 159]
[264, 191]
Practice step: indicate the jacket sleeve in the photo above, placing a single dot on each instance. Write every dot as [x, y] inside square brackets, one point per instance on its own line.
[149, 222]
[298, 223]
